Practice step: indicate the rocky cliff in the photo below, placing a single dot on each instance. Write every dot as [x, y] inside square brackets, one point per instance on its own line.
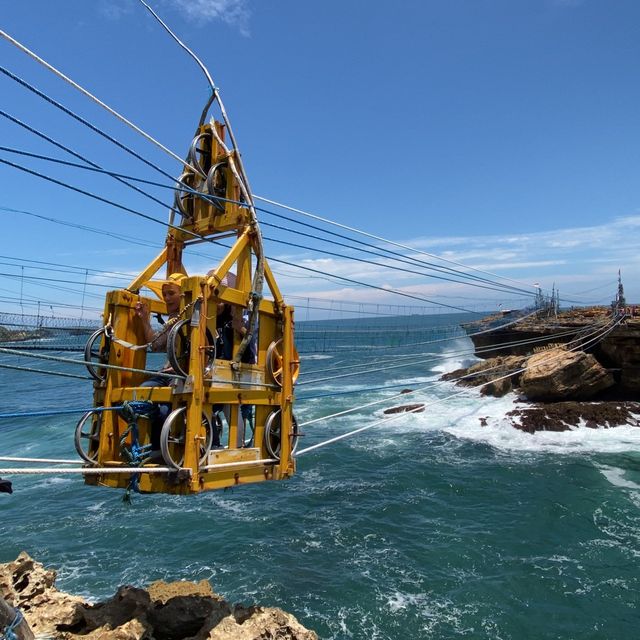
[162, 611]
[618, 351]
[559, 382]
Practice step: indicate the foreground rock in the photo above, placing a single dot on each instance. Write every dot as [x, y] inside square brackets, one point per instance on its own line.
[163, 611]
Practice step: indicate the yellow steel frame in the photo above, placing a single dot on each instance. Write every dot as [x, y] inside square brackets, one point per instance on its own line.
[229, 384]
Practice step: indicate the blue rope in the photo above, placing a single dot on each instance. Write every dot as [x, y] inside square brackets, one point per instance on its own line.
[9, 632]
[136, 454]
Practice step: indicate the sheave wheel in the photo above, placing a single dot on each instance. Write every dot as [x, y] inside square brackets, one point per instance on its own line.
[173, 434]
[274, 362]
[87, 436]
[183, 200]
[198, 152]
[273, 435]
[96, 352]
[179, 348]
[217, 184]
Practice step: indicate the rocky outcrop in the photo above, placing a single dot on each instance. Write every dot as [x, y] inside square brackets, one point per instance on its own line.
[497, 376]
[549, 376]
[412, 408]
[163, 611]
[563, 416]
[26, 584]
[558, 374]
[616, 348]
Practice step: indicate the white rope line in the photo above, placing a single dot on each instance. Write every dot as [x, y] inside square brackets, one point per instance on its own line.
[391, 242]
[90, 470]
[182, 44]
[434, 357]
[49, 460]
[28, 354]
[89, 95]
[496, 346]
[441, 400]
[373, 424]
[447, 339]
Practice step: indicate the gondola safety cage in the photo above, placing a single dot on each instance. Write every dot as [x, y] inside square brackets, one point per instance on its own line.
[224, 421]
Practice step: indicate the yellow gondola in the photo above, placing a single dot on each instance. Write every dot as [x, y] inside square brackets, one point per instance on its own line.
[211, 198]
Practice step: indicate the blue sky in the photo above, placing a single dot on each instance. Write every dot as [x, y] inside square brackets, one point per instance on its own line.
[499, 134]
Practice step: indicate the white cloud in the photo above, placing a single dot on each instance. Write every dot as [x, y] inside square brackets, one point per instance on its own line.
[115, 9]
[233, 12]
[574, 259]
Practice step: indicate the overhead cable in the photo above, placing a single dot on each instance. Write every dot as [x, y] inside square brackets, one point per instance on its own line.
[89, 95]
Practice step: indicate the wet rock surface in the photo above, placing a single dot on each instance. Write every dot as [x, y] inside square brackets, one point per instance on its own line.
[413, 408]
[163, 611]
[562, 416]
[557, 382]
[497, 376]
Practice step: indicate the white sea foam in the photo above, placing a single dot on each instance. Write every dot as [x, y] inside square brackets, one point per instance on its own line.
[617, 477]
[453, 363]
[460, 416]
[51, 482]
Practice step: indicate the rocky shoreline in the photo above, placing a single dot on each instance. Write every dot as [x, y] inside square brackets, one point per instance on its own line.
[163, 611]
[563, 387]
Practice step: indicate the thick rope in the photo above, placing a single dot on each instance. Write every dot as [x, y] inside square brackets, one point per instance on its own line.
[45, 371]
[91, 470]
[9, 632]
[89, 95]
[27, 354]
[44, 460]
[56, 412]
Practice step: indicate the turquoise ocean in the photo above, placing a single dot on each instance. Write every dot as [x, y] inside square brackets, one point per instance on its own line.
[428, 526]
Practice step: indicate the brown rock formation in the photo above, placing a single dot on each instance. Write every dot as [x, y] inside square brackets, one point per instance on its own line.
[562, 416]
[558, 374]
[618, 349]
[26, 584]
[414, 408]
[164, 611]
[491, 375]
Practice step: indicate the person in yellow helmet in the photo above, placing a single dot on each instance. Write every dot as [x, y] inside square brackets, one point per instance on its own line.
[172, 295]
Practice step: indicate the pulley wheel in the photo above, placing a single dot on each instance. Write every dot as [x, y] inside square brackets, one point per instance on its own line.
[217, 184]
[196, 153]
[172, 438]
[183, 200]
[179, 348]
[96, 352]
[87, 436]
[274, 362]
[273, 434]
